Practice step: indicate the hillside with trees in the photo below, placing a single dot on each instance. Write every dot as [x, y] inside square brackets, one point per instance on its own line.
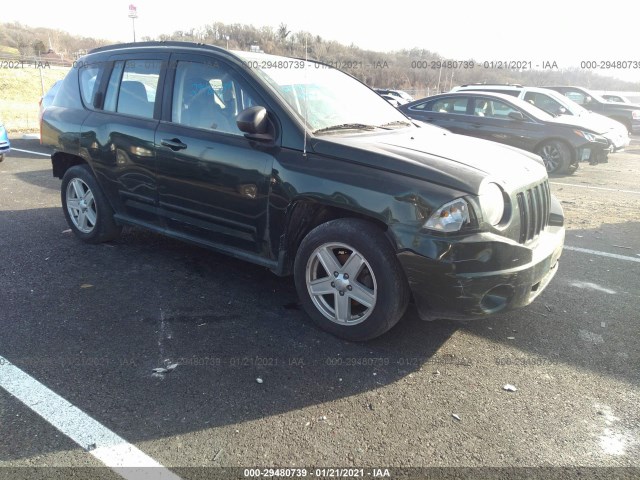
[402, 69]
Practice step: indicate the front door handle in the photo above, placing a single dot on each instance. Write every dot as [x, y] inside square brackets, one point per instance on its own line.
[174, 144]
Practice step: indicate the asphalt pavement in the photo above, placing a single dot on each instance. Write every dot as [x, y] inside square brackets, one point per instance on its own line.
[257, 385]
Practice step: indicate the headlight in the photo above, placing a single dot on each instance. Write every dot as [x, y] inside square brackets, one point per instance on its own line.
[635, 114]
[589, 137]
[450, 217]
[492, 203]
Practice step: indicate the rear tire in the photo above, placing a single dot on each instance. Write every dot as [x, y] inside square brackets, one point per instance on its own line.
[85, 207]
[349, 280]
[556, 156]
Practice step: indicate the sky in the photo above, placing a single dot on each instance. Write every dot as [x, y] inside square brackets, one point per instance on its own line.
[568, 32]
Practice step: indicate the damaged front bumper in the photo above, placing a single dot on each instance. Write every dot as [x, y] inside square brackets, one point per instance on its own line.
[481, 274]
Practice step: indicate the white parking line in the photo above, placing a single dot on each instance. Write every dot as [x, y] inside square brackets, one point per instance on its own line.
[29, 151]
[595, 188]
[602, 254]
[112, 450]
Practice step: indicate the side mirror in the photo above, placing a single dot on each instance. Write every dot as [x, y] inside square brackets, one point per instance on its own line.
[588, 99]
[562, 110]
[254, 121]
[516, 116]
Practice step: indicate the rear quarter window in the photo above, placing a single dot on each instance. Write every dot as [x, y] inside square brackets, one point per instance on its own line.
[89, 81]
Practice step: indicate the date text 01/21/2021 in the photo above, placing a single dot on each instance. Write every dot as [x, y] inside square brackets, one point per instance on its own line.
[487, 64]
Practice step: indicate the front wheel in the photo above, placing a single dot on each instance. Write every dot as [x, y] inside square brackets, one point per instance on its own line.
[349, 280]
[556, 156]
[86, 208]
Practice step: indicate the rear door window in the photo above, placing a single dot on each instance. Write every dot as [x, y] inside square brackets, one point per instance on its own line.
[451, 105]
[132, 87]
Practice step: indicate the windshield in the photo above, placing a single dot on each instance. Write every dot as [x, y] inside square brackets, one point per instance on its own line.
[595, 96]
[326, 97]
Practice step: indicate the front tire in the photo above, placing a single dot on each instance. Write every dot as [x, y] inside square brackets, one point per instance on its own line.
[349, 280]
[86, 208]
[556, 156]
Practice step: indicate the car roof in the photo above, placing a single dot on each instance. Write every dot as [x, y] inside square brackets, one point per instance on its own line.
[481, 87]
[491, 85]
[466, 93]
[186, 47]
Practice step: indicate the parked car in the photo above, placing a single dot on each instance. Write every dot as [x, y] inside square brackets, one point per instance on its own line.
[628, 115]
[556, 104]
[392, 100]
[5, 145]
[301, 168]
[502, 118]
[616, 98]
[402, 96]
[47, 98]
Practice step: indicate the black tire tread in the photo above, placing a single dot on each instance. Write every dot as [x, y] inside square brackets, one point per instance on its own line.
[365, 237]
[106, 228]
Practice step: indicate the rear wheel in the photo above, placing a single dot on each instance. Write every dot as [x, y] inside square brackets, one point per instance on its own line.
[86, 208]
[349, 280]
[556, 156]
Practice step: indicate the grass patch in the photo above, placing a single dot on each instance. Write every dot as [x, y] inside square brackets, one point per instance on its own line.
[20, 92]
[5, 50]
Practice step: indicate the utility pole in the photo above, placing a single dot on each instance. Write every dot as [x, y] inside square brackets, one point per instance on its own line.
[133, 14]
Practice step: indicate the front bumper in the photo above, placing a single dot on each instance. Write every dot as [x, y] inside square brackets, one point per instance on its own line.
[593, 152]
[5, 147]
[482, 274]
[617, 140]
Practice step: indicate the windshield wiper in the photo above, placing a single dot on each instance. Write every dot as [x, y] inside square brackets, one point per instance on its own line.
[347, 126]
[399, 123]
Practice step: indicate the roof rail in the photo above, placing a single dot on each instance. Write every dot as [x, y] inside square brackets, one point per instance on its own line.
[170, 43]
[493, 85]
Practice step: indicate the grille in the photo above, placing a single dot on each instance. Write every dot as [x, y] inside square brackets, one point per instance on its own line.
[534, 204]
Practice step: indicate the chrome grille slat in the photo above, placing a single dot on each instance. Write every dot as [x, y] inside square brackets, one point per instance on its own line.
[534, 206]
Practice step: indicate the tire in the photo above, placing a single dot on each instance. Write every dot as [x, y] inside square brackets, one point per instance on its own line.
[86, 208]
[1, 157]
[363, 265]
[556, 156]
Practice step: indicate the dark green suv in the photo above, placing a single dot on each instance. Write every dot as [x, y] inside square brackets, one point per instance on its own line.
[296, 166]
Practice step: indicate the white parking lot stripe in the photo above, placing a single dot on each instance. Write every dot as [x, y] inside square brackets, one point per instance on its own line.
[595, 188]
[29, 151]
[602, 254]
[99, 441]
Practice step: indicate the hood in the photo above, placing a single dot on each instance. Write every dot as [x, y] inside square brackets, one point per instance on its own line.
[583, 122]
[605, 124]
[438, 156]
[623, 106]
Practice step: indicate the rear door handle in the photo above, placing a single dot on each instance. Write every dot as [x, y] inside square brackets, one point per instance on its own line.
[174, 144]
